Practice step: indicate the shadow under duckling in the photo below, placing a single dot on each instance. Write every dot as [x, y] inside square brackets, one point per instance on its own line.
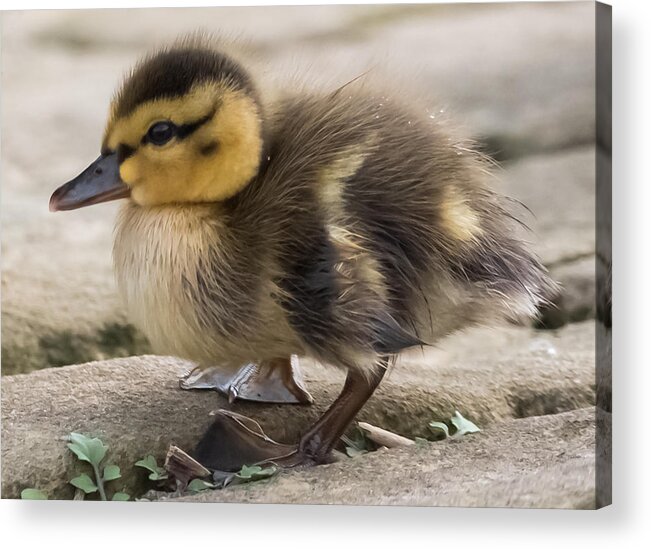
[345, 226]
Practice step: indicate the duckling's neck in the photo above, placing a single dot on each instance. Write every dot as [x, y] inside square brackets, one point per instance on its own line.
[189, 281]
[157, 254]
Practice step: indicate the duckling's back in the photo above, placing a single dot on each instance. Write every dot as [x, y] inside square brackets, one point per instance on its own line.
[382, 227]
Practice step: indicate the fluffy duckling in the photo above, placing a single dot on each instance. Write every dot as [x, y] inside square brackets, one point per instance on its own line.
[346, 226]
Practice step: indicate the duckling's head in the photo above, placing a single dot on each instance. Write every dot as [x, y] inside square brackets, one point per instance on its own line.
[185, 127]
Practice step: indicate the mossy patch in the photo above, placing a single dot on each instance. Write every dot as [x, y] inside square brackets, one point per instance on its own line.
[113, 340]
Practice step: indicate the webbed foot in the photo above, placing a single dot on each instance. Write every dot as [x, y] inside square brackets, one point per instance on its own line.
[234, 440]
[277, 381]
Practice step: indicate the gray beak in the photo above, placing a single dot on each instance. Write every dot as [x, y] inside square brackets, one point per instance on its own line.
[99, 182]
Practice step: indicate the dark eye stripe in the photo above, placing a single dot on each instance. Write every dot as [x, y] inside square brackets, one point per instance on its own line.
[124, 152]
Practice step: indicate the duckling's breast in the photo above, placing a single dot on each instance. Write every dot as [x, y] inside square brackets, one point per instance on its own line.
[191, 290]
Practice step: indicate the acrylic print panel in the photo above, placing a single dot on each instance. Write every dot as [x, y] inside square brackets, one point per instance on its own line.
[308, 201]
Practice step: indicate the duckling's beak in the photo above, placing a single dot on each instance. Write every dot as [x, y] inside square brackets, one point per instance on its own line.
[99, 182]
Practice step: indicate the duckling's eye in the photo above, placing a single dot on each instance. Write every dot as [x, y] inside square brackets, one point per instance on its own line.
[161, 132]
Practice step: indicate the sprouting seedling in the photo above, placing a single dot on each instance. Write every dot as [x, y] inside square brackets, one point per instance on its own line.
[32, 493]
[440, 429]
[199, 485]
[155, 471]
[93, 451]
[255, 472]
[248, 473]
[356, 445]
[462, 426]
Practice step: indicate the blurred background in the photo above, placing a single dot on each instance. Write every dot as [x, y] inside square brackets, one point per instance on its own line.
[519, 78]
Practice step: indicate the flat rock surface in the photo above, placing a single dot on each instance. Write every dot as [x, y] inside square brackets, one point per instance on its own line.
[493, 69]
[537, 462]
[559, 189]
[135, 406]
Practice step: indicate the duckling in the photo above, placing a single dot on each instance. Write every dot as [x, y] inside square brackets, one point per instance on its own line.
[346, 226]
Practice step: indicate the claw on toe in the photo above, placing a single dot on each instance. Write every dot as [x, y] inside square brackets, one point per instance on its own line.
[277, 381]
[206, 378]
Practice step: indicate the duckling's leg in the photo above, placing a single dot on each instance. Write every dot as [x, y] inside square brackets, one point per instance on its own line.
[234, 440]
[277, 381]
[317, 443]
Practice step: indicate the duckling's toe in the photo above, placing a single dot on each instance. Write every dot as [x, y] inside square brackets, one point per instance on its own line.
[206, 378]
[277, 381]
[234, 440]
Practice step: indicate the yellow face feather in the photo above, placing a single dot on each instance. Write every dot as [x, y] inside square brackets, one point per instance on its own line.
[208, 165]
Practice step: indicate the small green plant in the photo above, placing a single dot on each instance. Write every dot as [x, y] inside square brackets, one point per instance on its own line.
[32, 493]
[248, 473]
[93, 451]
[199, 485]
[156, 473]
[440, 430]
[461, 426]
[358, 444]
[255, 472]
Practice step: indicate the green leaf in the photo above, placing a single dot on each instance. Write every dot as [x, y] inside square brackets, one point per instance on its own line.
[463, 425]
[438, 427]
[358, 444]
[358, 441]
[354, 452]
[247, 472]
[32, 493]
[120, 496]
[149, 463]
[111, 472]
[255, 472]
[198, 485]
[158, 476]
[84, 483]
[87, 449]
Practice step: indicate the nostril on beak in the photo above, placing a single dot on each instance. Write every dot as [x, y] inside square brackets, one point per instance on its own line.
[98, 171]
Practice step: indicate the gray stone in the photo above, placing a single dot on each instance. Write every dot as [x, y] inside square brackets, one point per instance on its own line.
[135, 406]
[59, 301]
[559, 189]
[577, 300]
